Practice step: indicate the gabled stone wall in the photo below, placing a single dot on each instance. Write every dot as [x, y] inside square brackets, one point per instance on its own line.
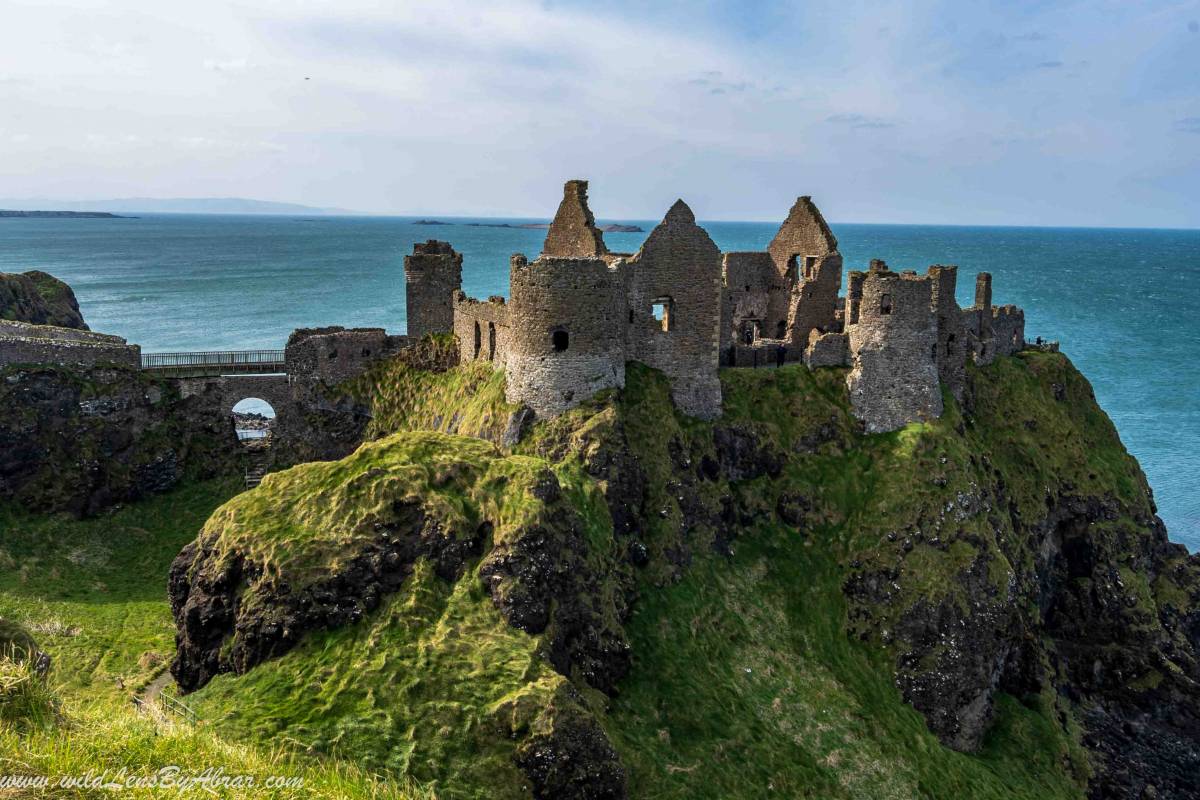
[678, 271]
[574, 234]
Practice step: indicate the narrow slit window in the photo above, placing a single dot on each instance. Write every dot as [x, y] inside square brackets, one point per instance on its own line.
[885, 304]
[478, 341]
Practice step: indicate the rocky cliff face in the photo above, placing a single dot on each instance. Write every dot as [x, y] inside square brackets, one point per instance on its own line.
[39, 298]
[1006, 555]
[80, 440]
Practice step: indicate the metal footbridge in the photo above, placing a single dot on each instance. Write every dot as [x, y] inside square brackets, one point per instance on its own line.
[215, 362]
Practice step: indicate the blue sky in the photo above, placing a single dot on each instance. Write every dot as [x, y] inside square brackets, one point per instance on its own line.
[1042, 113]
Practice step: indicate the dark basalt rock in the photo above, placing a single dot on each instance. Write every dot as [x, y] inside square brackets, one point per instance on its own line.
[541, 581]
[743, 452]
[575, 758]
[80, 440]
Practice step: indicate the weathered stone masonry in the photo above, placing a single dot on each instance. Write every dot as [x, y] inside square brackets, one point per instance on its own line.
[578, 312]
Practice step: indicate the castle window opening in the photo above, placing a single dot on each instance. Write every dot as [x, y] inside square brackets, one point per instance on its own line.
[560, 340]
[885, 304]
[810, 263]
[491, 341]
[950, 345]
[781, 329]
[661, 309]
[631, 316]
[749, 331]
[478, 340]
[792, 269]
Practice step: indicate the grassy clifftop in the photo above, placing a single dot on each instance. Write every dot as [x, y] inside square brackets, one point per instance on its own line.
[633, 603]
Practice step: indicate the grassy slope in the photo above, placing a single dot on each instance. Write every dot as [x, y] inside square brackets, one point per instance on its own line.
[419, 688]
[93, 593]
[743, 676]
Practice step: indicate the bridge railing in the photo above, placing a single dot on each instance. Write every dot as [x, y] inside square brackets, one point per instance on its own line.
[241, 360]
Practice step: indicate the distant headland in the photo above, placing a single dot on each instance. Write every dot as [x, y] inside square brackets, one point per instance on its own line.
[61, 214]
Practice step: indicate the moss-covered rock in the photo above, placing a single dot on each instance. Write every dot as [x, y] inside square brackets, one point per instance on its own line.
[39, 298]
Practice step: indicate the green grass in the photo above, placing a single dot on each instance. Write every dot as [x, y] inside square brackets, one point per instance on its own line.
[748, 679]
[93, 594]
[435, 685]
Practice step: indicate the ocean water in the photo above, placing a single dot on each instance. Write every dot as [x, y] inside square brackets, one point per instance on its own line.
[1124, 303]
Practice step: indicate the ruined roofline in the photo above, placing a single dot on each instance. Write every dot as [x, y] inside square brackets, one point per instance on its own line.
[573, 233]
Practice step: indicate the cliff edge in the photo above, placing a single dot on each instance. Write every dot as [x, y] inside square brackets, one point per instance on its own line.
[625, 601]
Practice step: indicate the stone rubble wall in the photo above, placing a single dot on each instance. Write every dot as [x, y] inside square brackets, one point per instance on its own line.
[25, 343]
[827, 350]
[335, 354]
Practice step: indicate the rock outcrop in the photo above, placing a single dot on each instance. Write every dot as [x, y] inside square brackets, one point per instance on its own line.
[80, 440]
[39, 298]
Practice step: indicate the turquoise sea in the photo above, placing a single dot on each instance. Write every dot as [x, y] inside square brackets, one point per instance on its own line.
[1124, 303]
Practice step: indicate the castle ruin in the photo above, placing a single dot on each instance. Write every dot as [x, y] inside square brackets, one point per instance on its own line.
[578, 312]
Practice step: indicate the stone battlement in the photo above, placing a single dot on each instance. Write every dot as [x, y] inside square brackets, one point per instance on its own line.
[578, 312]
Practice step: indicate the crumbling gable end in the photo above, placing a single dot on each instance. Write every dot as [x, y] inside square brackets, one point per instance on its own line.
[573, 233]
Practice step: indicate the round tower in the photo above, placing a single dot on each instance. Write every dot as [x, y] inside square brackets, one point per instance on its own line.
[566, 340]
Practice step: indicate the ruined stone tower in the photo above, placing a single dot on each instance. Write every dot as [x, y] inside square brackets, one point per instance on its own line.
[566, 339]
[432, 275]
[893, 377]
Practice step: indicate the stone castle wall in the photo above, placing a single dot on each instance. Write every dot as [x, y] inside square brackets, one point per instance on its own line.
[25, 343]
[893, 377]
[335, 354]
[750, 284]
[432, 274]
[951, 355]
[566, 331]
[678, 271]
[481, 328]
[1008, 330]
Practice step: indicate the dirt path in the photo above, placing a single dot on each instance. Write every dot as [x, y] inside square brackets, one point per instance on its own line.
[147, 698]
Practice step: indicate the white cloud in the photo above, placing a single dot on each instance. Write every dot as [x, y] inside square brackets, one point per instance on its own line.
[936, 112]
